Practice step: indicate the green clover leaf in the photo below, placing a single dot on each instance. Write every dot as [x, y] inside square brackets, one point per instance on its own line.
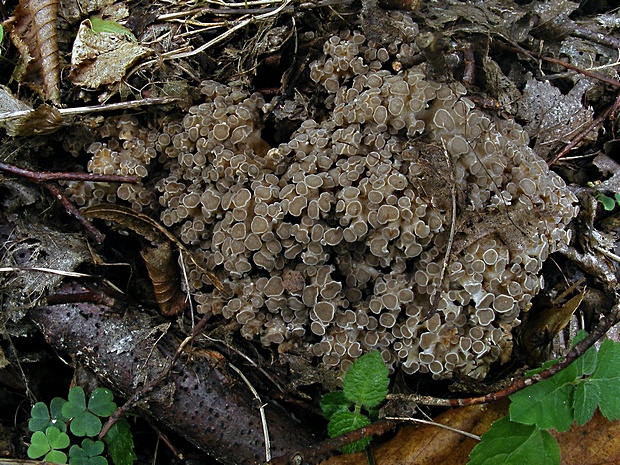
[48, 444]
[41, 418]
[88, 454]
[85, 421]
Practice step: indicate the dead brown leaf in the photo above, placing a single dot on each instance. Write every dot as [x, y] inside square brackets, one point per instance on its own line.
[33, 31]
[596, 443]
[145, 226]
[164, 273]
[102, 58]
[430, 445]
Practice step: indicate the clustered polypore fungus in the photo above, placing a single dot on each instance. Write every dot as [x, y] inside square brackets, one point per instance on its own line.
[336, 243]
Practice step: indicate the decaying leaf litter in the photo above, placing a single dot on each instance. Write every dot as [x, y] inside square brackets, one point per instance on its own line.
[167, 50]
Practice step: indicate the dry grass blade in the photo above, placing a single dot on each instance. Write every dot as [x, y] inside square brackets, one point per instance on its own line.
[34, 33]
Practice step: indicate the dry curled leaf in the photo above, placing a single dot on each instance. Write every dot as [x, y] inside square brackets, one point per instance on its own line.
[145, 226]
[34, 33]
[541, 327]
[45, 119]
[164, 273]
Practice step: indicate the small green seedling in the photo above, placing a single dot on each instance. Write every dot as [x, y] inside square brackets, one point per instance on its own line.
[573, 394]
[609, 203]
[80, 418]
[365, 386]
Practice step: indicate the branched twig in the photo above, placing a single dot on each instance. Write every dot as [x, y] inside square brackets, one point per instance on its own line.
[43, 178]
[606, 322]
[535, 56]
[70, 208]
[148, 387]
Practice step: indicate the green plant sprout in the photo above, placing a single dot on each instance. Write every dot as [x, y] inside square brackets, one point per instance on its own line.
[50, 438]
[572, 395]
[590, 382]
[609, 203]
[364, 387]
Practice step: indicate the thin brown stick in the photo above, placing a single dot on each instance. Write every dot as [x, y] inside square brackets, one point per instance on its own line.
[44, 176]
[59, 195]
[606, 322]
[315, 453]
[613, 108]
[148, 387]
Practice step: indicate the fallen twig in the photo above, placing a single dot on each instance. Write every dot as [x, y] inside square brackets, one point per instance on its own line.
[70, 208]
[44, 176]
[315, 453]
[536, 56]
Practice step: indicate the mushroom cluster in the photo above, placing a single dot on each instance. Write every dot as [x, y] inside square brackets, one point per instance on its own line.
[407, 221]
[128, 149]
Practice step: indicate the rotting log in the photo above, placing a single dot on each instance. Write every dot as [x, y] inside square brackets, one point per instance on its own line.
[213, 409]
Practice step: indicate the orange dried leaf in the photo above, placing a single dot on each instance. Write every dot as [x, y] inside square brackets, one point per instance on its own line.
[34, 33]
[163, 270]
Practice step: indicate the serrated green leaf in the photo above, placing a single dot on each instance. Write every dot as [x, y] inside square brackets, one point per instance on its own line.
[510, 443]
[334, 402]
[120, 443]
[345, 421]
[85, 424]
[544, 366]
[607, 379]
[366, 382]
[587, 397]
[586, 364]
[110, 27]
[547, 404]
[76, 403]
[101, 402]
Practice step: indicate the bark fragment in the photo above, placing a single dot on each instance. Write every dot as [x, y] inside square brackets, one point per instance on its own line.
[212, 409]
